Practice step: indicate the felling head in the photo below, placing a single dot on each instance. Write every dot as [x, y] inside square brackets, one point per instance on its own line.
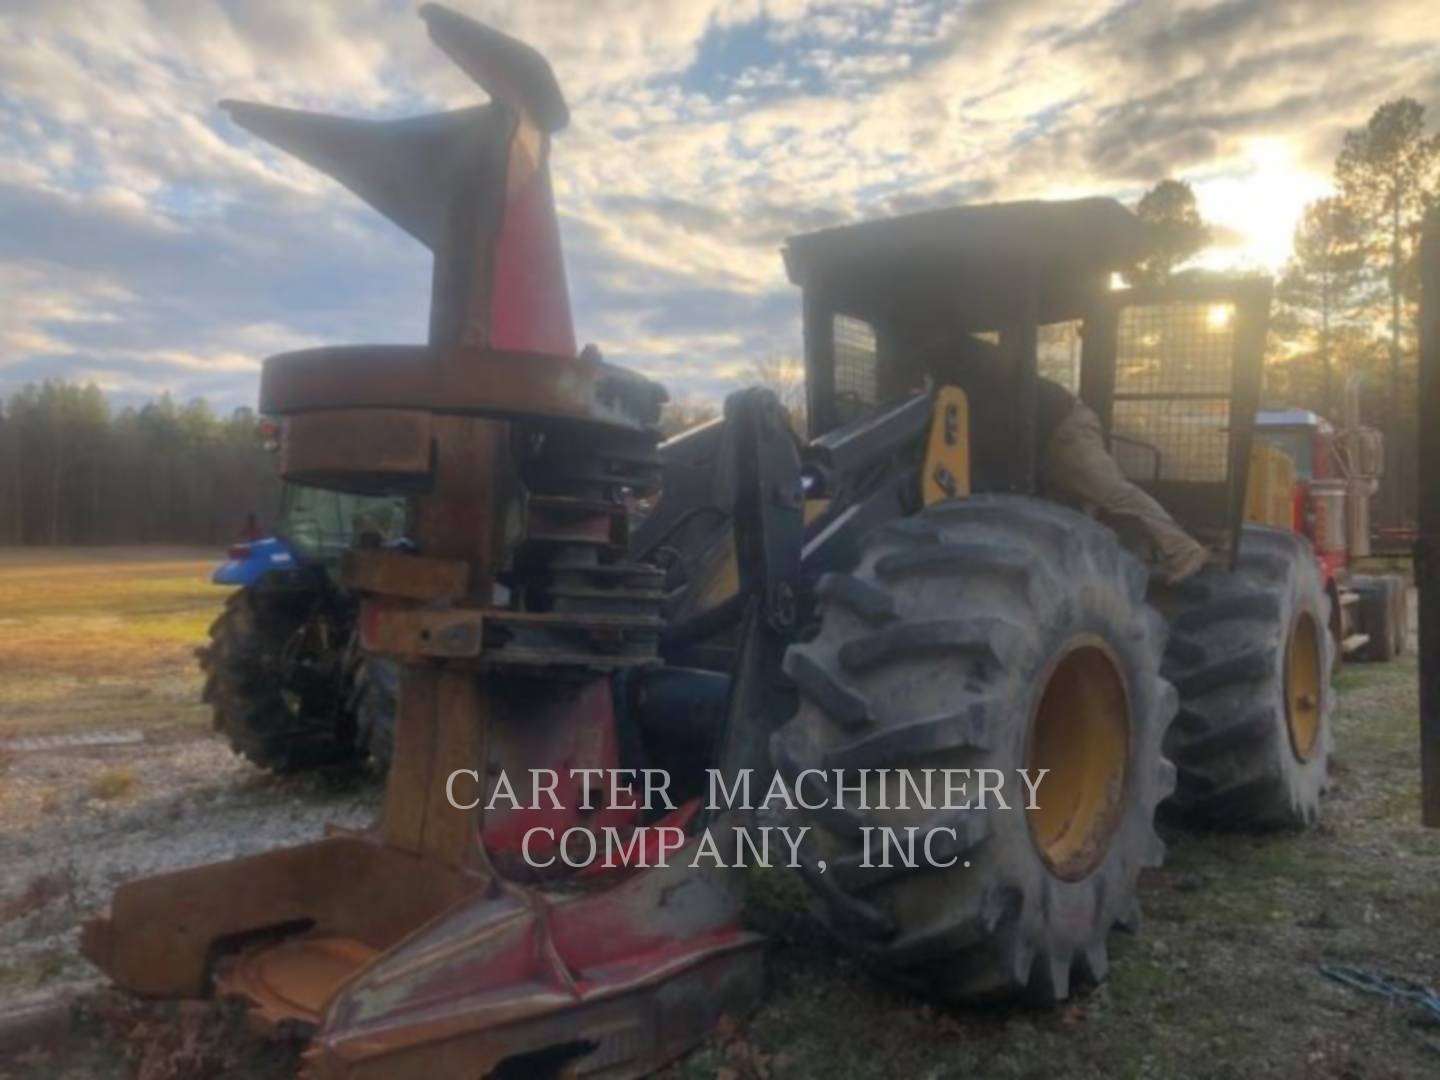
[472, 185]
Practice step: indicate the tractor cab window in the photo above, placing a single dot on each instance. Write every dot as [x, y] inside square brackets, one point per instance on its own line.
[1057, 354]
[321, 524]
[857, 369]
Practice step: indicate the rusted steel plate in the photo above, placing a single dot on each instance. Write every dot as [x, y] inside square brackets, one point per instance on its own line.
[358, 448]
[517, 637]
[163, 931]
[440, 633]
[402, 821]
[464, 707]
[293, 980]
[553, 658]
[571, 638]
[559, 520]
[554, 620]
[442, 725]
[478, 382]
[405, 575]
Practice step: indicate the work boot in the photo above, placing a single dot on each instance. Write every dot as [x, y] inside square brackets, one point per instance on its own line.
[1187, 563]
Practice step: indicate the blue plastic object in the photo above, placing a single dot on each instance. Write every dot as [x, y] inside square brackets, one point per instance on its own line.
[262, 557]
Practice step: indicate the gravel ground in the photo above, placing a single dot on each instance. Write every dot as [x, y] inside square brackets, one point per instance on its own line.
[77, 821]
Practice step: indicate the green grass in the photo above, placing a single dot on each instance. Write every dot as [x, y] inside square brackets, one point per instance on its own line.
[96, 639]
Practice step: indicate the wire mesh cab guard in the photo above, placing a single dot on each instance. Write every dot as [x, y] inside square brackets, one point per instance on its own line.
[1174, 372]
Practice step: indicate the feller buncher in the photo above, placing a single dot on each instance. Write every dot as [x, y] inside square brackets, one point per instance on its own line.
[891, 593]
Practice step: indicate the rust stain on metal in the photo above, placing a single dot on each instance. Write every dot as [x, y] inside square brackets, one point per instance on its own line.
[405, 575]
[161, 932]
[357, 448]
[406, 631]
[293, 981]
[476, 382]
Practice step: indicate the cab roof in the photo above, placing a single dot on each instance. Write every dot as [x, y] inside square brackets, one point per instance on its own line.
[974, 257]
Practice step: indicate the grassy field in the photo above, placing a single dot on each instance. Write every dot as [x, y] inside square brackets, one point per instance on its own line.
[102, 636]
[1223, 981]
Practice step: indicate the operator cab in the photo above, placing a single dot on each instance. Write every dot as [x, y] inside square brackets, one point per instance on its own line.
[1172, 371]
[882, 297]
[893, 310]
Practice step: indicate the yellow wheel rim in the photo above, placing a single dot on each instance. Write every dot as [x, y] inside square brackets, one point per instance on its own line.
[1080, 732]
[1302, 685]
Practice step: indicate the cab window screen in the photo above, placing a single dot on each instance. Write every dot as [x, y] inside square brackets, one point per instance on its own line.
[1171, 418]
[857, 382]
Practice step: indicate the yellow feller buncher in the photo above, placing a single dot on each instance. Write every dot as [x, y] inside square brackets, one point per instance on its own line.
[896, 593]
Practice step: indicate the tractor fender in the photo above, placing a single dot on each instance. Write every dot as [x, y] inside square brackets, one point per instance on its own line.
[260, 558]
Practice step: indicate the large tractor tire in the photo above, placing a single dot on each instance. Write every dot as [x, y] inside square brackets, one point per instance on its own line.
[989, 632]
[1384, 615]
[377, 695]
[1251, 656]
[256, 691]
[1400, 612]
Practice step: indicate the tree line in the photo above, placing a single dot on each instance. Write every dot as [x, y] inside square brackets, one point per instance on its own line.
[74, 470]
[1347, 301]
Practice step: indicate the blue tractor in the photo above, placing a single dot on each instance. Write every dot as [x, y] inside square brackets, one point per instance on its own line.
[284, 676]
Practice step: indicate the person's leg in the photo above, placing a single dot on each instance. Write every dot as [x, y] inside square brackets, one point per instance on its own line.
[1078, 465]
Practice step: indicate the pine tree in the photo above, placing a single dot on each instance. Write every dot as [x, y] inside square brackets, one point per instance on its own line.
[1387, 175]
[73, 472]
[1172, 230]
[1319, 299]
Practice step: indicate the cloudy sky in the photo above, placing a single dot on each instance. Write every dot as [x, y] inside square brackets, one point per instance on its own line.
[148, 244]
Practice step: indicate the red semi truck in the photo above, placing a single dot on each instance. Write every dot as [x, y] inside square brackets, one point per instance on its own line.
[1336, 470]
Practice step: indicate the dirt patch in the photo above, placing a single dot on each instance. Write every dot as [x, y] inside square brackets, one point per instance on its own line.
[117, 1037]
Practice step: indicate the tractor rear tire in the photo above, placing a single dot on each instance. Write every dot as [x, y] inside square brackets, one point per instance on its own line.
[263, 720]
[1379, 618]
[377, 695]
[1394, 613]
[1251, 655]
[1401, 612]
[992, 632]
